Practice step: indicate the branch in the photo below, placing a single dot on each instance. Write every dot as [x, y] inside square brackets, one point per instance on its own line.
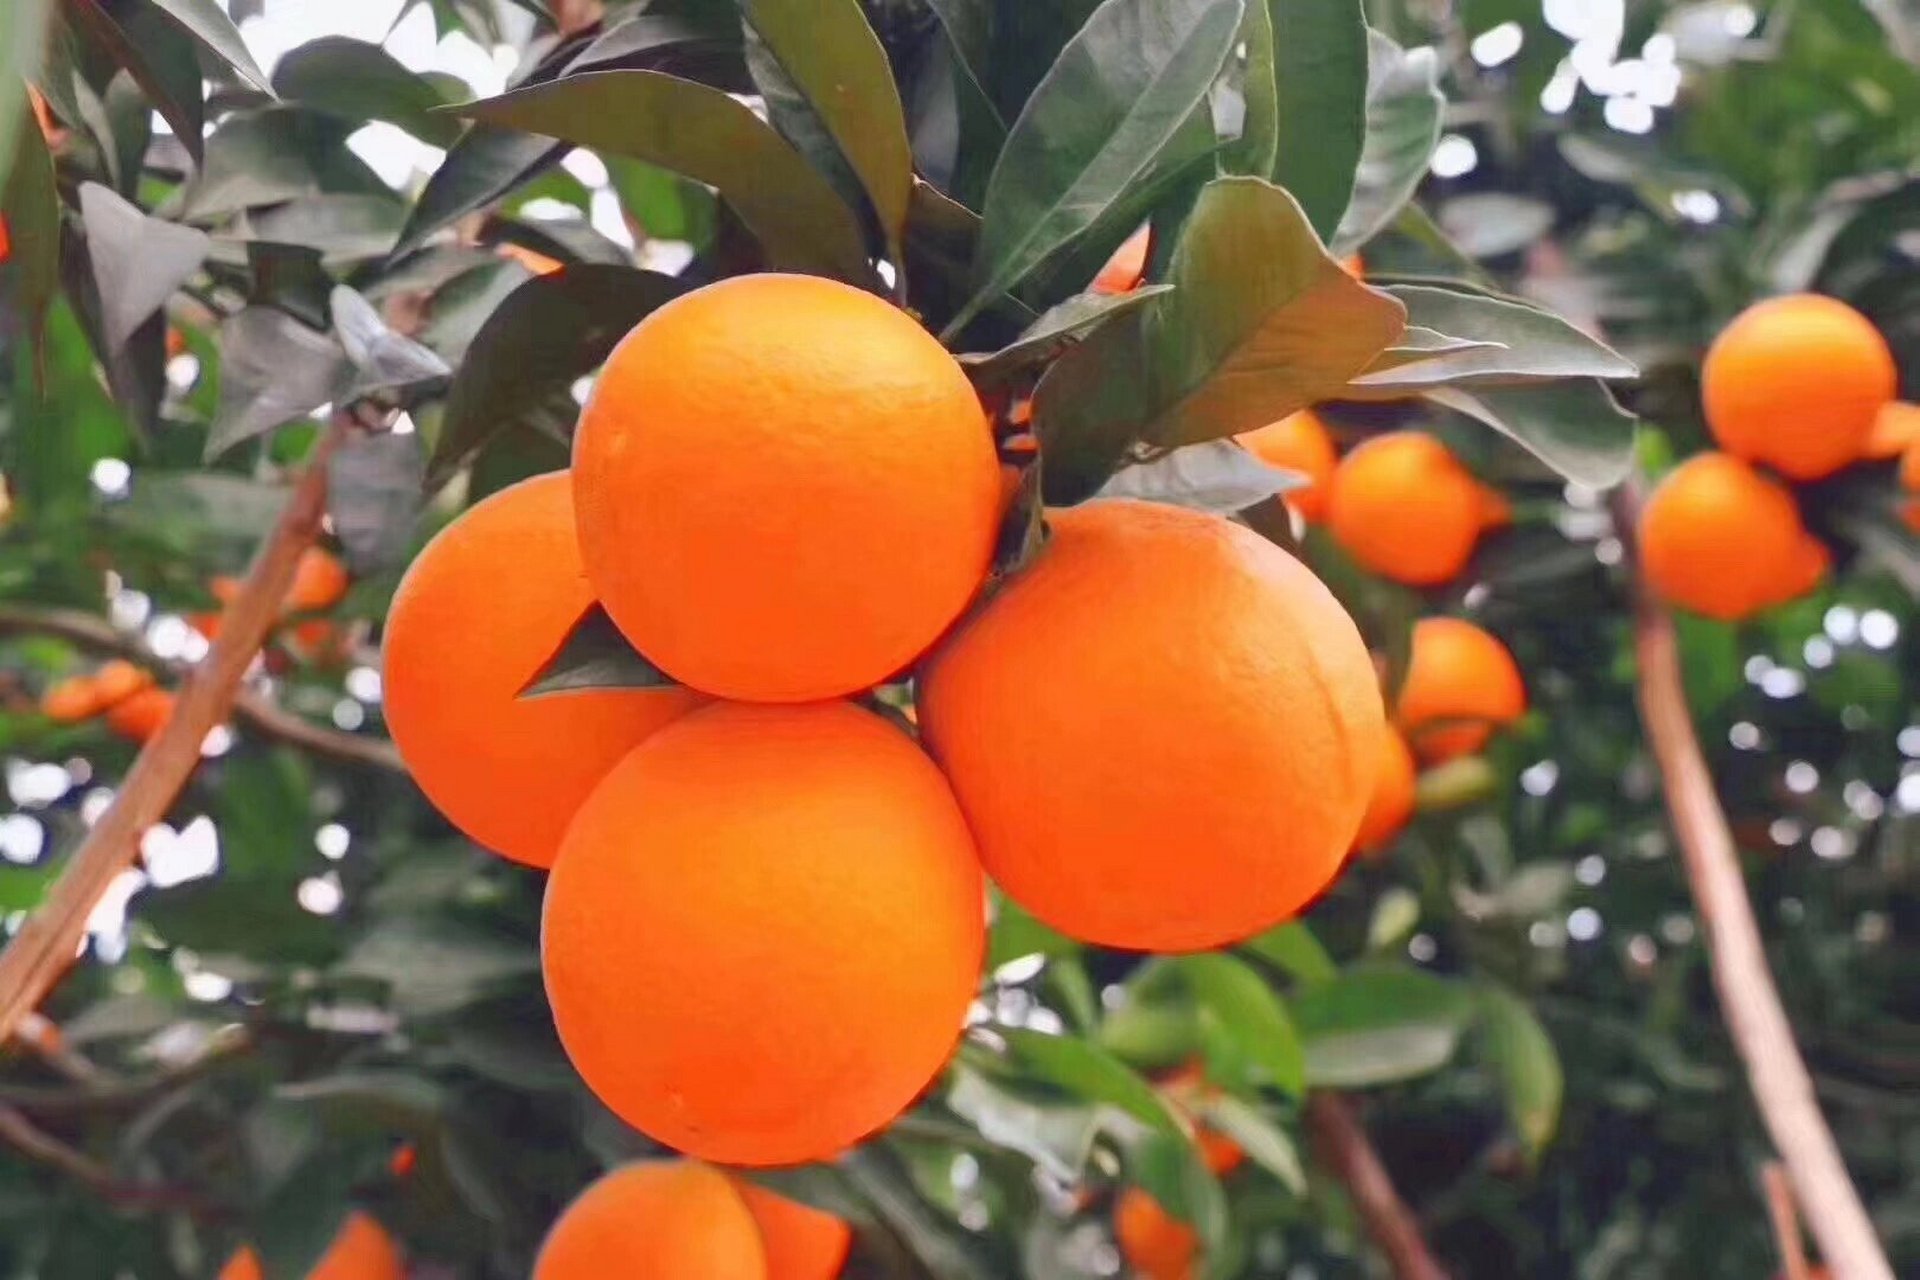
[46, 944]
[110, 1093]
[1786, 1222]
[1749, 1001]
[36, 1143]
[1343, 1147]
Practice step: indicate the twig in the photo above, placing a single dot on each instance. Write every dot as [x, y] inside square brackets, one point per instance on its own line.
[111, 1092]
[1786, 1221]
[46, 944]
[1749, 1001]
[257, 710]
[31, 1140]
[1344, 1147]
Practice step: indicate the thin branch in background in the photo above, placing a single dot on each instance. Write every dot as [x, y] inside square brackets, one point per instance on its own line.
[1343, 1146]
[108, 1092]
[40, 953]
[1786, 1221]
[28, 1138]
[42, 1036]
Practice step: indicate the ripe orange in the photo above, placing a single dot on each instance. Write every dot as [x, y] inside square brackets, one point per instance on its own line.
[1896, 429]
[71, 700]
[1406, 509]
[787, 489]
[118, 680]
[1392, 802]
[1155, 1244]
[660, 1218]
[1797, 382]
[464, 636]
[361, 1251]
[802, 1243]
[1458, 673]
[319, 582]
[1298, 442]
[141, 716]
[1162, 732]
[1123, 270]
[1723, 540]
[763, 931]
[1187, 1088]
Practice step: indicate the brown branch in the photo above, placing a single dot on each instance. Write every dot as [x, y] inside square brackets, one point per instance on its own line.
[1343, 1146]
[1786, 1221]
[107, 1092]
[1749, 1000]
[39, 954]
[36, 1143]
[258, 711]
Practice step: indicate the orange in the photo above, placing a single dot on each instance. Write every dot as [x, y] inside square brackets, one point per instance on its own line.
[361, 1251]
[1406, 509]
[1723, 540]
[1188, 1087]
[1797, 382]
[118, 680]
[480, 611]
[763, 931]
[1155, 1244]
[1163, 731]
[1896, 428]
[802, 1243]
[787, 488]
[141, 716]
[319, 582]
[1298, 442]
[1123, 271]
[666, 1218]
[1458, 673]
[71, 700]
[1910, 468]
[1392, 802]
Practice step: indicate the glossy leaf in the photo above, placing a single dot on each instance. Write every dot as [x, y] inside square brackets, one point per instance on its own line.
[1403, 127]
[1306, 101]
[1513, 342]
[22, 44]
[373, 498]
[138, 261]
[1575, 426]
[158, 55]
[1375, 1025]
[1248, 1013]
[274, 370]
[1215, 475]
[383, 358]
[1089, 1072]
[594, 655]
[1529, 1068]
[481, 167]
[1090, 409]
[206, 22]
[1057, 328]
[360, 81]
[30, 203]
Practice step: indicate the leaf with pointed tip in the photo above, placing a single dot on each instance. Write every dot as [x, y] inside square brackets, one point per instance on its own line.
[1379, 1024]
[206, 22]
[158, 55]
[1306, 94]
[22, 44]
[373, 498]
[383, 357]
[685, 46]
[1233, 995]
[481, 167]
[1115, 98]
[595, 655]
[30, 206]
[345, 229]
[1261, 321]
[1058, 327]
[273, 369]
[138, 261]
[1089, 1072]
[1418, 345]
[1214, 475]
[1403, 127]
[1266, 1143]
[257, 158]
[706, 135]
[359, 81]
[547, 334]
[1574, 426]
[969, 28]
[1090, 408]
[836, 62]
[1504, 342]
[1529, 1067]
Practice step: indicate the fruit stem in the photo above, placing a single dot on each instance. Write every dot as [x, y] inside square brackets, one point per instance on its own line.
[1344, 1147]
[39, 954]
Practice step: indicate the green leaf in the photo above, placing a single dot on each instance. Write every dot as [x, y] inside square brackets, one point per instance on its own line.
[31, 206]
[1511, 342]
[158, 55]
[664, 204]
[706, 135]
[22, 47]
[346, 229]
[595, 655]
[1089, 409]
[1169, 1169]
[360, 81]
[382, 358]
[1056, 329]
[1249, 1014]
[206, 22]
[1403, 127]
[522, 364]
[138, 261]
[1378, 1024]
[1089, 1072]
[1489, 224]
[435, 966]
[258, 158]
[836, 62]
[1529, 1068]
[273, 369]
[1395, 914]
[373, 498]
[1265, 1142]
[1016, 933]
[1117, 95]
[484, 165]
[1056, 1137]
[1261, 322]
[1214, 475]
[1574, 426]
[698, 47]
[1306, 92]
[947, 1251]
[969, 28]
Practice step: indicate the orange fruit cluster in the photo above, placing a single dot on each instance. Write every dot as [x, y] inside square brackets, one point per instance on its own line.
[1161, 734]
[1157, 1245]
[690, 1221]
[125, 694]
[320, 582]
[361, 1251]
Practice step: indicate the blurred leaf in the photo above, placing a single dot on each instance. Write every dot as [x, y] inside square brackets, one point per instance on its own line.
[1214, 475]
[435, 966]
[595, 655]
[257, 919]
[138, 261]
[1056, 1137]
[706, 135]
[290, 278]
[30, 206]
[1532, 892]
[274, 369]
[1378, 1024]
[1115, 98]
[1573, 426]
[1265, 1142]
[1403, 127]
[1016, 933]
[665, 205]
[1250, 1015]
[1293, 948]
[835, 61]
[373, 497]
[200, 505]
[1306, 92]
[1528, 1066]
[206, 22]
[1058, 327]
[481, 167]
[942, 1246]
[1394, 916]
[359, 81]
[159, 56]
[1515, 343]
[383, 358]
[522, 364]
[1488, 224]
[1168, 1168]
[22, 49]
[345, 229]
[1089, 1072]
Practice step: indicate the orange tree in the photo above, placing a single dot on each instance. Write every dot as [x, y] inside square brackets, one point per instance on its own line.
[307, 1031]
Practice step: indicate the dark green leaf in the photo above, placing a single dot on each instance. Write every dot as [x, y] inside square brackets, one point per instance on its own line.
[1089, 1072]
[373, 498]
[1403, 127]
[1512, 342]
[31, 207]
[1574, 426]
[256, 158]
[484, 165]
[274, 369]
[1293, 948]
[1488, 224]
[1265, 1142]
[1529, 1068]
[1120, 91]
[138, 261]
[360, 81]
[158, 55]
[708, 136]
[549, 332]
[707, 51]
[383, 358]
[1057, 1137]
[940, 1244]
[346, 229]
[969, 28]
[1379, 1024]
[1089, 409]
[1248, 1014]
[434, 966]
[1306, 93]
[595, 655]
[22, 45]
[290, 277]
[1057, 327]
[206, 22]
[1214, 475]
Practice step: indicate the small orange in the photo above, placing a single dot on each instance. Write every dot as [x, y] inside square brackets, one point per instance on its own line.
[1298, 442]
[1723, 540]
[1163, 731]
[1186, 1088]
[1896, 428]
[404, 1160]
[176, 342]
[71, 700]
[763, 931]
[665, 1218]
[1797, 382]
[802, 1243]
[361, 1251]
[464, 637]
[319, 582]
[118, 680]
[1354, 265]
[787, 488]
[1458, 672]
[1405, 508]
[1123, 270]
[1392, 802]
[1155, 1244]
[141, 716]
